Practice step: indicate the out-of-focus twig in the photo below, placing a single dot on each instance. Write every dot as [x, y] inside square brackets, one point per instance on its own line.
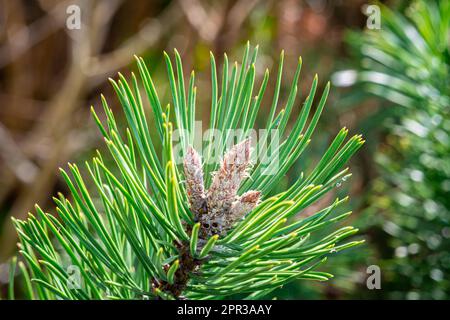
[218, 24]
[28, 36]
[54, 131]
[239, 12]
[58, 118]
[101, 21]
[207, 24]
[149, 34]
[235, 18]
[24, 169]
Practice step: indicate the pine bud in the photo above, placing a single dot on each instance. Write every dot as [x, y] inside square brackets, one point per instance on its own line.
[228, 178]
[220, 207]
[194, 182]
[243, 205]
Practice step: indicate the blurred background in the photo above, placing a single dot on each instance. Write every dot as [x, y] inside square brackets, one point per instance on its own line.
[389, 66]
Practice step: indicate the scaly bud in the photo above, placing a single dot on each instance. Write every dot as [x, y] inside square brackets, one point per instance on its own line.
[228, 178]
[194, 182]
[223, 190]
[243, 205]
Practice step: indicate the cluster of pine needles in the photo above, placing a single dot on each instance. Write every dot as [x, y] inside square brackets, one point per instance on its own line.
[140, 236]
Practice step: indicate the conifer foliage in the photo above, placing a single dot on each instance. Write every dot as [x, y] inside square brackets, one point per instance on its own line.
[158, 227]
[407, 63]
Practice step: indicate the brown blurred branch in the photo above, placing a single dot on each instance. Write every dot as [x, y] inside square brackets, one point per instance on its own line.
[236, 15]
[207, 24]
[221, 24]
[55, 128]
[24, 169]
[149, 34]
[54, 131]
[23, 39]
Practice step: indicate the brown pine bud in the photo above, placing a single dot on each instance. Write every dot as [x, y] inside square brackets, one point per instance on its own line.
[243, 205]
[220, 207]
[194, 182]
[228, 178]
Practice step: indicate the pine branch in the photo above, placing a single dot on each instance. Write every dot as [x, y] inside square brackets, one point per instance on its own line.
[165, 231]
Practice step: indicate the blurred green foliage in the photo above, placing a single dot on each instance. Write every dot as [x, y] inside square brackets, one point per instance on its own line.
[406, 62]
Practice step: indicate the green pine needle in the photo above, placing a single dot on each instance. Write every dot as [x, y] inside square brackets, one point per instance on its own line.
[136, 237]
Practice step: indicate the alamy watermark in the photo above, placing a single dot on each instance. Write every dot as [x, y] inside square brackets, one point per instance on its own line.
[374, 279]
[74, 277]
[373, 13]
[211, 144]
[73, 20]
